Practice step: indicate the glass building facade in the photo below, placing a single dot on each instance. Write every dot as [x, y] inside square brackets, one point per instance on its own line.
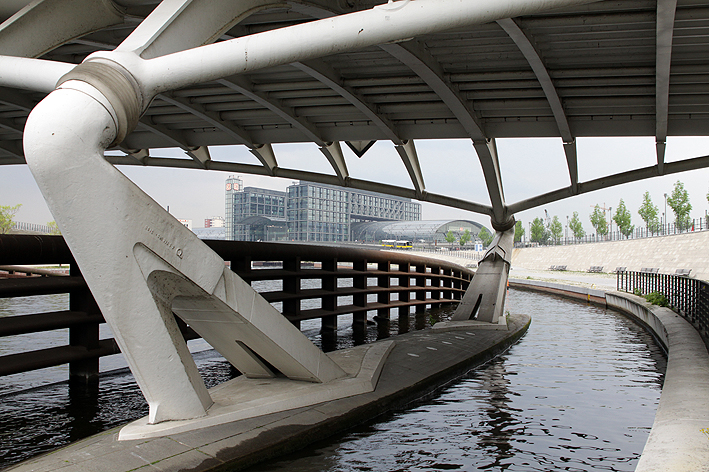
[307, 211]
[319, 212]
[244, 204]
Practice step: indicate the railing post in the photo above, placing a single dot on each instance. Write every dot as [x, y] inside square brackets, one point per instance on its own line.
[329, 302]
[404, 296]
[420, 295]
[446, 283]
[383, 281]
[291, 285]
[435, 285]
[359, 317]
[83, 372]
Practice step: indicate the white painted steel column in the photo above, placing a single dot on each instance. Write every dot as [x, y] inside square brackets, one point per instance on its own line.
[96, 208]
[142, 265]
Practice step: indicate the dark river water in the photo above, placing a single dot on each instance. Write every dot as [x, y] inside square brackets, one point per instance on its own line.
[577, 393]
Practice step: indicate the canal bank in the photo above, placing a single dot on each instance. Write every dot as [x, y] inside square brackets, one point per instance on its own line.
[679, 439]
[419, 363]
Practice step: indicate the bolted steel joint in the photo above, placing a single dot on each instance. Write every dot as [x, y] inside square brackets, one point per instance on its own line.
[119, 88]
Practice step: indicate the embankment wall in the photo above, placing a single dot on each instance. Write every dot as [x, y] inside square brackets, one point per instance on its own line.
[667, 253]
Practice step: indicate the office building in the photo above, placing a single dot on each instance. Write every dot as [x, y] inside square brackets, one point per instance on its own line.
[319, 212]
[254, 214]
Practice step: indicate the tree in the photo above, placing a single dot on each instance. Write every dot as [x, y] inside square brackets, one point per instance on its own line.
[556, 229]
[53, 228]
[485, 236]
[465, 237]
[519, 231]
[576, 226]
[450, 237]
[622, 218]
[679, 202]
[648, 212]
[7, 213]
[538, 232]
[598, 221]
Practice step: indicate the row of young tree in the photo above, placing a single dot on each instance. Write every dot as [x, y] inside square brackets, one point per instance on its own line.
[552, 231]
[7, 219]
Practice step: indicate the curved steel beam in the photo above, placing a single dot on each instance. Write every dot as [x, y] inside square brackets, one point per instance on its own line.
[530, 53]
[244, 87]
[200, 154]
[414, 55]
[44, 25]
[665, 28]
[535, 62]
[611, 181]
[422, 63]
[213, 118]
[325, 74]
[183, 24]
[408, 154]
[296, 174]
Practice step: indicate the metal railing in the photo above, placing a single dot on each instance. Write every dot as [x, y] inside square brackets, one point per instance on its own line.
[396, 280]
[34, 227]
[690, 297]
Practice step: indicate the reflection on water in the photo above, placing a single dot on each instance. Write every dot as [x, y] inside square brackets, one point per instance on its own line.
[578, 392]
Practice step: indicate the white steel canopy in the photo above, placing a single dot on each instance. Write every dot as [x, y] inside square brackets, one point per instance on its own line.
[630, 68]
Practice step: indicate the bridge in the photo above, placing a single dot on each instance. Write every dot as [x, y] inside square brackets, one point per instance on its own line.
[86, 85]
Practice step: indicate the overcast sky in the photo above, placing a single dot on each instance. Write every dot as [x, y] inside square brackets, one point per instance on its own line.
[529, 167]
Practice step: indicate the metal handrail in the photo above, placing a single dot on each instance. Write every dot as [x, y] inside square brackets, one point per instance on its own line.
[420, 282]
[689, 297]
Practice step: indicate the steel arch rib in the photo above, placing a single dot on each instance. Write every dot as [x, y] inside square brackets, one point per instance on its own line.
[415, 57]
[177, 139]
[325, 74]
[243, 86]
[530, 53]
[665, 28]
[210, 117]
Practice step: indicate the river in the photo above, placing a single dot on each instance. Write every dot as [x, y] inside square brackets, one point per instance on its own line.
[577, 393]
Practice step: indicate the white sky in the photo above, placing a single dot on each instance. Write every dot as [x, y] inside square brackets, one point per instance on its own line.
[529, 167]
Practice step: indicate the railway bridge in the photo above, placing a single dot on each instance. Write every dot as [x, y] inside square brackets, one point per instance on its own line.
[86, 85]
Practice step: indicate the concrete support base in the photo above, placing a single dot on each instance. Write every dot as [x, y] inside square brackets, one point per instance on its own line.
[485, 298]
[243, 398]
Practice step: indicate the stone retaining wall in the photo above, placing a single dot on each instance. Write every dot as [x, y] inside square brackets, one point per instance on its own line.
[668, 253]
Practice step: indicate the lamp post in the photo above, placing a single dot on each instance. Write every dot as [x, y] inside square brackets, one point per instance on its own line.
[610, 222]
[566, 231]
[664, 214]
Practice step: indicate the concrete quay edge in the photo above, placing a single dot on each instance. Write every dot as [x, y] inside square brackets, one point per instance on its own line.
[421, 363]
[679, 439]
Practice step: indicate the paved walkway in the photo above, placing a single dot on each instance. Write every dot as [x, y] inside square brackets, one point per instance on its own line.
[420, 361]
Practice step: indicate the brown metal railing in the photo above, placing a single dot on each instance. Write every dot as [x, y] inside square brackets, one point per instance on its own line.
[397, 281]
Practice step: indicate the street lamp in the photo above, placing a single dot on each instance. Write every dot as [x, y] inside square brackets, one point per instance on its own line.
[665, 214]
[566, 232]
[610, 222]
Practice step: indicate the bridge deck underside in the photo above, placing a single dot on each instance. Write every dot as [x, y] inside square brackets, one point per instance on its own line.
[632, 68]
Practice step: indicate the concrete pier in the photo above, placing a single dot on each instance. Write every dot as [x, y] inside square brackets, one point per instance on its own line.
[419, 363]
